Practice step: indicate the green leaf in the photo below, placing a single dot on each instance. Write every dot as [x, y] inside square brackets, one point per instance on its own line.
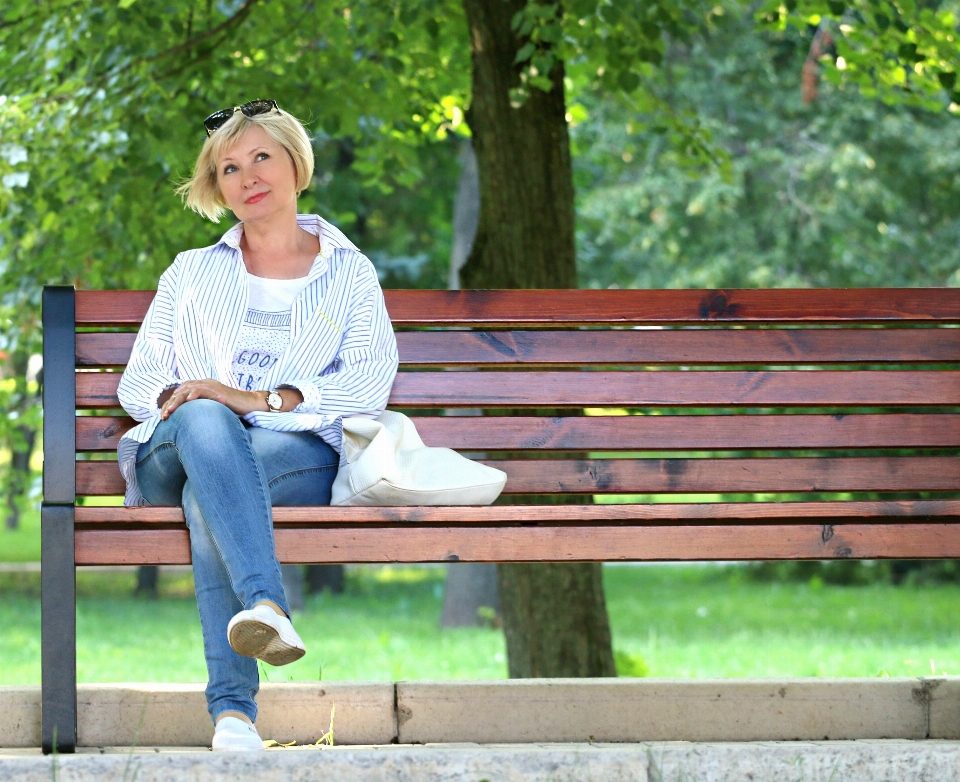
[525, 51]
[126, 3]
[908, 52]
[628, 81]
[947, 80]
[611, 13]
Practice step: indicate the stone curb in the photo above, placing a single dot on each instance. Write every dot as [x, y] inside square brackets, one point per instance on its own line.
[176, 714]
[661, 710]
[515, 711]
[854, 761]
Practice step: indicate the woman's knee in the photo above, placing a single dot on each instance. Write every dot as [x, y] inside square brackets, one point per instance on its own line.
[209, 430]
[206, 417]
[204, 409]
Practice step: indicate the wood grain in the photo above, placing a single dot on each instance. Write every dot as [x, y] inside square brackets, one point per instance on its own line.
[553, 544]
[655, 513]
[621, 307]
[643, 432]
[667, 476]
[652, 347]
[634, 389]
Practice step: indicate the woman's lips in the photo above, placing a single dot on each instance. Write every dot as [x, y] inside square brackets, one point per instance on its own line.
[257, 197]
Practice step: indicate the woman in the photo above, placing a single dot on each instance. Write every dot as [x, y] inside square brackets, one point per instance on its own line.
[251, 352]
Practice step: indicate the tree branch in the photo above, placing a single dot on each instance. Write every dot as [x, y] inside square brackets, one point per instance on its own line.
[242, 13]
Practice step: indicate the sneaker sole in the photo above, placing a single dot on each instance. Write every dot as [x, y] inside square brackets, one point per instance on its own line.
[257, 639]
[238, 748]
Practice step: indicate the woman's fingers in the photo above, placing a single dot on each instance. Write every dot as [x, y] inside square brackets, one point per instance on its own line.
[190, 390]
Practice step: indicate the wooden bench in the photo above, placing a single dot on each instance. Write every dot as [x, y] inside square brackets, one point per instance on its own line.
[841, 408]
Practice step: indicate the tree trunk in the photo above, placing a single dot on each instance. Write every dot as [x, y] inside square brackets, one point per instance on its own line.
[470, 587]
[555, 620]
[292, 576]
[555, 617]
[148, 581]
[21, 446]
[320, 577]
[466, 212]
[525, 234]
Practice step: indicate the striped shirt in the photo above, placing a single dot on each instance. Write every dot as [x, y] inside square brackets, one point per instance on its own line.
[342, 354]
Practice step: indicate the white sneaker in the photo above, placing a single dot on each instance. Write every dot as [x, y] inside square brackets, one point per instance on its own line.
[232, 734]
[262, 633]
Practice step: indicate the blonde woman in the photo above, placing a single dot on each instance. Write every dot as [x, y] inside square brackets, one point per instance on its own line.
[252, 351]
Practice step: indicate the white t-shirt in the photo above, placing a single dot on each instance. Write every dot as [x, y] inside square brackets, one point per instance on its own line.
[265, 332]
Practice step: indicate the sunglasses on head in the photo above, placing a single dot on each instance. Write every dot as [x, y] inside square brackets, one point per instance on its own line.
[251, 109]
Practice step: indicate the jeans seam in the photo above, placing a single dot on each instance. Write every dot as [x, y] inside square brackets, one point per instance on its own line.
[266, 496]
[158, 448]
[300, 471]
[213, 539]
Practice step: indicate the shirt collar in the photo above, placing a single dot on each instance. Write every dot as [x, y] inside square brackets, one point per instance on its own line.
[308, 222]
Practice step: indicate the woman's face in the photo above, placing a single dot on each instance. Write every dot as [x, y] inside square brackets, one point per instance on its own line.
[257, 176]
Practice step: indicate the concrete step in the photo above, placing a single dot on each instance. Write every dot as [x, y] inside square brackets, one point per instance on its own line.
[514, 711]
[841, 761]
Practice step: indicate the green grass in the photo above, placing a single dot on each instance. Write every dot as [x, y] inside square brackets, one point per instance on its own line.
[683, 621]
[21, 544]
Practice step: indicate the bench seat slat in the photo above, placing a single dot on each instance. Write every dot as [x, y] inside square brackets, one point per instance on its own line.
[643, 432]
[657, 476]
[556, 514]
[654, 347]
[533, 544]
[634, 389]
[594, 307]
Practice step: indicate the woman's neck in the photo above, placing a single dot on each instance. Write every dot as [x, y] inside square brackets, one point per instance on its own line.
[279, 250]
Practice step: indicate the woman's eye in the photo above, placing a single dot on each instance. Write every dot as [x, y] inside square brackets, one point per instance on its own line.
[227, 169]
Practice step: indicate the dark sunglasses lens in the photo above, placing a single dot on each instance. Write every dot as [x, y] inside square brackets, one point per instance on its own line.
[255, 107]
[216, 119]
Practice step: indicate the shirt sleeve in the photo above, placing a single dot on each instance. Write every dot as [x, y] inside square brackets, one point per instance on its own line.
[359, 379]
[152, 364]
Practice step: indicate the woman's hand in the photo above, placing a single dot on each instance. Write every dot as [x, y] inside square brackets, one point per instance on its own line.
[241, 402]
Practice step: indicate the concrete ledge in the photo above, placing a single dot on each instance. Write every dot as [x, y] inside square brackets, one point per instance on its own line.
[944, 698]
[518, 711]
[20, 716]
[176, 714]
[661, 709]
[855, 761]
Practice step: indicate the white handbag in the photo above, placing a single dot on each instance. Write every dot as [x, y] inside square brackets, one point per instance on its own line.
[386, 463]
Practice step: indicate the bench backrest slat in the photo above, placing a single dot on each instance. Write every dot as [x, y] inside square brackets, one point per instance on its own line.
[644, 433]
[98, 390]
[627, 347]
[621, 307]
[676, 475]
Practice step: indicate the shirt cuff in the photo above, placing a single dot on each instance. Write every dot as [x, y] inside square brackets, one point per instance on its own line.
[312, 396]
[156, 397]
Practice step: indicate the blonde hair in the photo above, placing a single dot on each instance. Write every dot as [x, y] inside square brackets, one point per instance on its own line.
[201, 193]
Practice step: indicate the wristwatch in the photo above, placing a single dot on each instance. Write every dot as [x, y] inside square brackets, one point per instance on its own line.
[274, 401]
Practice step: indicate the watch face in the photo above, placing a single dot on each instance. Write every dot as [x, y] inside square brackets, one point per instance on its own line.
[274, 400]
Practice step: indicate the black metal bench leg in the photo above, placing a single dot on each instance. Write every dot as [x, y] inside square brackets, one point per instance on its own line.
[58, 630]
[58, 573]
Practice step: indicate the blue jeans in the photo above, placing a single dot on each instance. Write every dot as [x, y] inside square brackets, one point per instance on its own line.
[228, 475]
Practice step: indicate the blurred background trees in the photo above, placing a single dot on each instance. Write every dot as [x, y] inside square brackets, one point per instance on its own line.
[710, 144]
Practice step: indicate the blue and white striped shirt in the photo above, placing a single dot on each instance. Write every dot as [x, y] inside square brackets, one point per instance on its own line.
[342, 354]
